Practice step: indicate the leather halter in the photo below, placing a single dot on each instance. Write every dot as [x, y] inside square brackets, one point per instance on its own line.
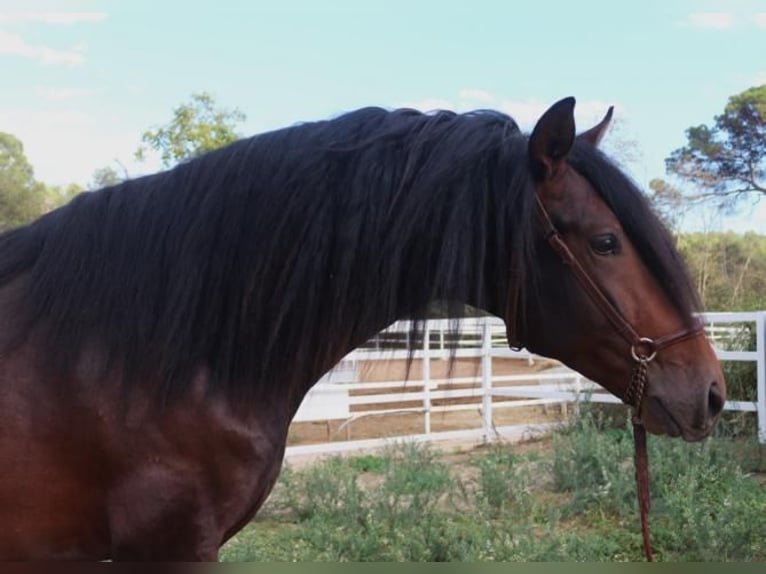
[642, 349]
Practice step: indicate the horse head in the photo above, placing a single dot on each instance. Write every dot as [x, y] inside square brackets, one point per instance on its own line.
[612, 298]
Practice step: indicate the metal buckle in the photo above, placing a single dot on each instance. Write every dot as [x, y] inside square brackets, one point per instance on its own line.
[644, 358]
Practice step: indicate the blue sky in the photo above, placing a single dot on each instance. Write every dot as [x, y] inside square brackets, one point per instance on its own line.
[81, 80]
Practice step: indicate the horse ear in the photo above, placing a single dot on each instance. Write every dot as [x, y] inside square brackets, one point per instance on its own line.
[552, 139]
[596, 133]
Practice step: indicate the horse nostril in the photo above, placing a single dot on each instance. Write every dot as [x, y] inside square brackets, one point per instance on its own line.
[715, 400]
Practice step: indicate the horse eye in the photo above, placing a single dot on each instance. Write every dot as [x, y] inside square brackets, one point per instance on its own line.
[606, 244]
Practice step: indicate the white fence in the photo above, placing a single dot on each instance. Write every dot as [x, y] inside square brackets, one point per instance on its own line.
[731, 333]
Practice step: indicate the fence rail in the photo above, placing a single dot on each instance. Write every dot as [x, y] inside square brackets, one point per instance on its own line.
[732, 335]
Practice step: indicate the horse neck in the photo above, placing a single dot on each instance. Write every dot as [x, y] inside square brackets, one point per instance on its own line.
[413, 282]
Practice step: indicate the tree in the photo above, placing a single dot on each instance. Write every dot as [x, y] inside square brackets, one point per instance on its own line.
[197, 127]
[728, 160]
[105, 177]
[729, 269]
[58, 195]
[21, 197]
[668, 202]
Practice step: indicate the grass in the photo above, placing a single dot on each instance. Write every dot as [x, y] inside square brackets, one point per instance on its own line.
[574, 501]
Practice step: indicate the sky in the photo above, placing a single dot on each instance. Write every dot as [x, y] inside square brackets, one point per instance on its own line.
[81, 80]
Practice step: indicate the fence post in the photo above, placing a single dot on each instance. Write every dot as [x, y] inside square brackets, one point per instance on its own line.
[426, 371]
[441, 339]
[760, 347]
[578, 390]
[486, 379]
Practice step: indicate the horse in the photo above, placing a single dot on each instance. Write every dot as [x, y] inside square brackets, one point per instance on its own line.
[158, 335]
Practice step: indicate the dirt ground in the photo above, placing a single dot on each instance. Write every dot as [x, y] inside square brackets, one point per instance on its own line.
[362, 426]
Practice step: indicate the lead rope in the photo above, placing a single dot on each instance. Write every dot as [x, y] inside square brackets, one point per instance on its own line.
[633, 396]
[642, 483]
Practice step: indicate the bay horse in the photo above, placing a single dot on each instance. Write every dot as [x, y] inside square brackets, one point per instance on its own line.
[157, 336]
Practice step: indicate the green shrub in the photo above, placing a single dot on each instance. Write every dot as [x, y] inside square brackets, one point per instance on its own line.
[576, 502]
[594, 464]
[710, 509]
[504, 484]
[368, 463]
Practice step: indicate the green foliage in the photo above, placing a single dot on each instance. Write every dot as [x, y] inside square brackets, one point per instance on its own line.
[105, 177]
[339, 522]
[504, 484]
[368, 463]
[741, 382]
[197, 127]
[58, 195]
[330, 491]
[729, 269]
[711, 510]
[705, 507]
[728, 159]
[593, 463]
[21, 197]
[668, 201]
[741, 377]
[575, 503]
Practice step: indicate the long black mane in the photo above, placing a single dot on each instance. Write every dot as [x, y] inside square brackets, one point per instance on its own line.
[267, 260]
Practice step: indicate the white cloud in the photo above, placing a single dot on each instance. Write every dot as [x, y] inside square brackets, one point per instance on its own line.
[760, 20]
[477, 95]
[15, 45]
[61, 94]
[429, 105]
[52, 17]
[714, 20]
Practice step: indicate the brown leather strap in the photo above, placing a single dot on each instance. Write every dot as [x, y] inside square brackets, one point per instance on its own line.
[594, 292]
[641, 464]
[679, 337]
